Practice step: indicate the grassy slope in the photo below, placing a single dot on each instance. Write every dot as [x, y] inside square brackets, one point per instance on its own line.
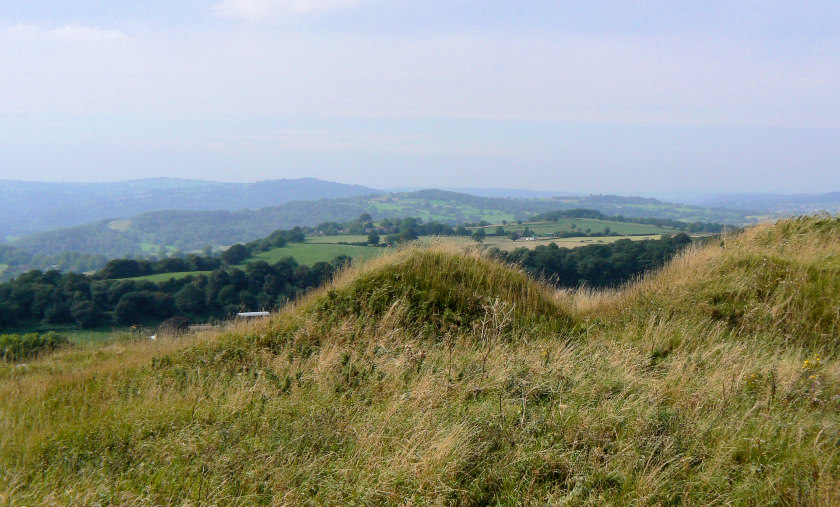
[316, 251]
[436, 377]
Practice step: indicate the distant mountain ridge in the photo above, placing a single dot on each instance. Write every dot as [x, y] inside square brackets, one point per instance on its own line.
[31, 207]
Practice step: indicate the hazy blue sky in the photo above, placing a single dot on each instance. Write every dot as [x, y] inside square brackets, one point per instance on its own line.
[641, 97]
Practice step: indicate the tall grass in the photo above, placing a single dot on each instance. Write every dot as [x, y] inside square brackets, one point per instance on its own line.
[642, 395]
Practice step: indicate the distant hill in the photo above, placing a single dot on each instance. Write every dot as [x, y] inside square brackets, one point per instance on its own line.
[777, 204]
[29, 207]
[190, 230]
[496, 192]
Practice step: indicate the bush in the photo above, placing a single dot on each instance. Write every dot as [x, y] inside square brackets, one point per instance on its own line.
[175, 325]
[15, 347]
[86, 314]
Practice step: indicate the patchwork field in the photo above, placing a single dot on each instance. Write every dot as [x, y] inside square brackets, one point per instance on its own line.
[505, 243]
[321, 249]
[162, 277]
[581, 225]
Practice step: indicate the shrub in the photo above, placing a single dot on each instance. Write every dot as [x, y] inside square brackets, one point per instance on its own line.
[15, 347]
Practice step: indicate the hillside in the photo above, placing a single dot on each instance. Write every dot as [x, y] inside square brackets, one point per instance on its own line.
[193, 230]
[777, 204]
[30, 207]
[440, 376]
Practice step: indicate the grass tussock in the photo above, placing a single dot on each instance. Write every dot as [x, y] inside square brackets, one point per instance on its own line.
[777, 282]
[438, 377]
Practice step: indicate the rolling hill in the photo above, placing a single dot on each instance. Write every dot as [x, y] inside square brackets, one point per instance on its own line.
[30, 207]
[438, 376]
[192, 230]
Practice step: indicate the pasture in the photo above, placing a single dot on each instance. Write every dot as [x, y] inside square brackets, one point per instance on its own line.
[581, 224]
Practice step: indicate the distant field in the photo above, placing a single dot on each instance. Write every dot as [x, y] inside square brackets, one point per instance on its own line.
[318, 250]
[506, 244]
[162, 277]
[582, 224]
[348, 238]
[327, 248]
[119, 225]
[440, 210]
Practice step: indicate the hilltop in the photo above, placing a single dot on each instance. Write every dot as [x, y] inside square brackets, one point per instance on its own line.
[438, 375]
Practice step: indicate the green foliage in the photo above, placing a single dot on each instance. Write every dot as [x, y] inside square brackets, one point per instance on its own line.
[235, 254]
[602, 265]
[581, 213]
[15, 347]
[193, 230]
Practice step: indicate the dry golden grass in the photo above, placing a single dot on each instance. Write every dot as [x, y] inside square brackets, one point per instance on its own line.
[412, 380]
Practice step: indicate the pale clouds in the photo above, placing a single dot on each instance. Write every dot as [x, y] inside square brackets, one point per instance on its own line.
[66, 33]
[256, 10]
[441, 89]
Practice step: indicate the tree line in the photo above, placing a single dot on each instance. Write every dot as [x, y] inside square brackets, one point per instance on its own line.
[88, 301]
[601, 265]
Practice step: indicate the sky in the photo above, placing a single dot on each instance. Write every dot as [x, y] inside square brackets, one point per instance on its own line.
[641, 97]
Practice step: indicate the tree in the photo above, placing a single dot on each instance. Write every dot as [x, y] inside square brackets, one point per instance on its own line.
[120, 268]
[296, 235]
[235, 254]
[126, 311]
[373, 239]
[58, 313]
[86, 314]
[190, 299]
[479, 235]
[8, 314]
[175, 325]
[500, 231]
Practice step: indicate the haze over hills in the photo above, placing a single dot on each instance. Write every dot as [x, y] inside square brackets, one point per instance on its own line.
[189, 230]
[776, 204]
[29, 207]
[516, 193]
[32, 207]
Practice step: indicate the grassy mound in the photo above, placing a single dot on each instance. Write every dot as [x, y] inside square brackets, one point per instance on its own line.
[437, 377]
[435, 290]
[778, 282]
